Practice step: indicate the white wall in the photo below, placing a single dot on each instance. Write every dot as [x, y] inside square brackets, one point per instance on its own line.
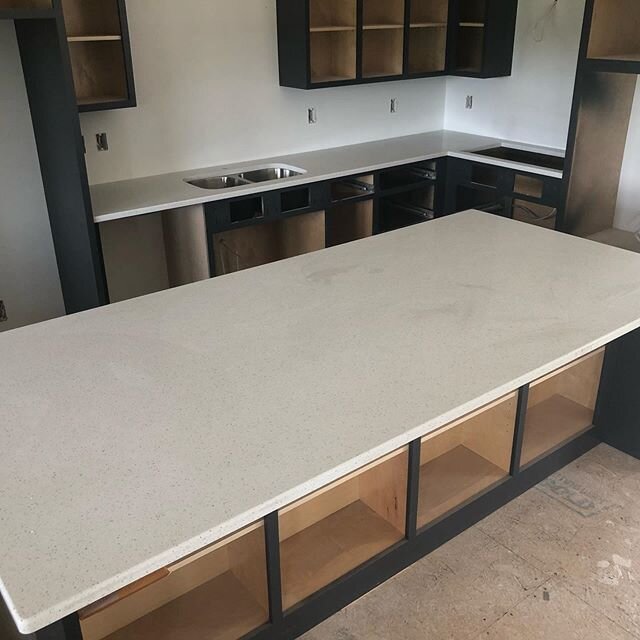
[628, 206]
[534, 104]
[208, 93]
[29, 282]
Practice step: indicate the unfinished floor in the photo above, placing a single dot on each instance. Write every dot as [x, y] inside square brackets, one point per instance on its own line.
[560, 562]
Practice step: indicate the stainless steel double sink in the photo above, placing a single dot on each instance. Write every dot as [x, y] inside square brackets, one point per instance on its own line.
[250, 176]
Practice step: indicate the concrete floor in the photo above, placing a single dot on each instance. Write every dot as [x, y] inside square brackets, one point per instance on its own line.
[560, 562]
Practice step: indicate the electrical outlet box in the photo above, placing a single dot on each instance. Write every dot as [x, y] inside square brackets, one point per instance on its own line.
[3, 312]
[312, 116]
[469, 102]
[394, 105]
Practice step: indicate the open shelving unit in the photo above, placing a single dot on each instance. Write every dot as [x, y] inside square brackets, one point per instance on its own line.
[465, 458]
[99, 50]
[561, 406]
[428, 23]
[220, 592]
[333, 531]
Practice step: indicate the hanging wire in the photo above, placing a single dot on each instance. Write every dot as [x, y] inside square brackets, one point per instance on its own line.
[540, 26]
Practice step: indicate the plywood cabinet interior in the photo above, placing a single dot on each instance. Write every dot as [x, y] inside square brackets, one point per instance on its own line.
[99, 50]
[220, 592]
[333, 531]
[465, 458]
[561, 406]
[615, 30]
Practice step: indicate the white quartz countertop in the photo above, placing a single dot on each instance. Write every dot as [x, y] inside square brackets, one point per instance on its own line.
[127, 198]
[138, 433]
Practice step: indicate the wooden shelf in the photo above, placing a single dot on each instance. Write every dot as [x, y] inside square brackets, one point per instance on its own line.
[465, 458]
[330, 29]
[336, 529]
[374, 27]
[451, 479]
[330, 548]
[325, 15]
[93, 38]
[219, 592]
[428, 25]
[472, 25]
[552, 423]
[382, 53]
[333, 56]
[222, 609]
[383, 12]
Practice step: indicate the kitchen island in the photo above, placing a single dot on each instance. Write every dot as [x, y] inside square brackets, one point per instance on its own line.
[248, 454]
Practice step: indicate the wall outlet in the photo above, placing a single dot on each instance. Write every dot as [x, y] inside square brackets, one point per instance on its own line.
[312, 116]
[3, 312]
[469, 102]
[393, 107]
[102, 142]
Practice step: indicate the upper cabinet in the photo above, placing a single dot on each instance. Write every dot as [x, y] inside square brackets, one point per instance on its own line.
[483, 36]
[100, 53]
[325, 43]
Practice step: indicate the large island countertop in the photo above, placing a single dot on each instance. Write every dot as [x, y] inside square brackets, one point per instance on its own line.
[138, 433]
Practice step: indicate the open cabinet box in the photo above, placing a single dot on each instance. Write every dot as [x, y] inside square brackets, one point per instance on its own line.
[333, 531]
[383, 38]
[220, 592]
[465, 458]
[428, 36]
[615, 30]
[351, 217]
[561, 406]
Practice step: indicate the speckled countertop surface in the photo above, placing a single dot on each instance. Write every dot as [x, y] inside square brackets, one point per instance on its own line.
[135, 434]
[127, 198]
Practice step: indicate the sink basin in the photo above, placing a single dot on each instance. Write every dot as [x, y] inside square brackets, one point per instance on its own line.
[218, 182]
[270, 173]
[250, 176]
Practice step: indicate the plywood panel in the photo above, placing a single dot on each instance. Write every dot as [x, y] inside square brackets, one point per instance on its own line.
[91, 17]
[350, 222]
[615, 30]
[601, 137]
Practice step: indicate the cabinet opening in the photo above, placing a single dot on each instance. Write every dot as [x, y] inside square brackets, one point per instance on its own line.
[485, 174]
[470, 48]
[256, 245]
[429, 13]
[220, 592]
[407, 209]
[528, 185]
[145, 254]
[98, 71]
[484, 199]
[351, 188]
[333, 531]
[294, 199]
[87, 18]
[427, 48]
[247, 209]
[614, 30]
[465, 459]
[534, 213]
[333, 56]
[407, 176]
[332, 14]
[473, 12]
[561, 406]
[349, 222]
[382, 52]
[383, 13]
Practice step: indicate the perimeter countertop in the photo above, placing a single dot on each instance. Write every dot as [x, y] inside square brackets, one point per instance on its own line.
[138, 433]
[127, 198]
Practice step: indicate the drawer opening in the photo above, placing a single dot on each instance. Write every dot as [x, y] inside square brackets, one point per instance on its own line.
[255, 245]
[333, 531]
[465, 459]
[485, 174]
[409, 175]
[561, 407]
[349, 222]
[145, 254]
[294, 200]
[220, 592]
[351, 188]
[249, 209]
[528, 186]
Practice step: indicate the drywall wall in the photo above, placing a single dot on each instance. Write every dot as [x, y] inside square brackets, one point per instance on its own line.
[533, 105]
[628, 206]
[29, 283]
[208, 93]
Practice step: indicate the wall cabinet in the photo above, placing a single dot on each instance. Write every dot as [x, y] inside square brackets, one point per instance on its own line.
[329, 43]
[100, 53]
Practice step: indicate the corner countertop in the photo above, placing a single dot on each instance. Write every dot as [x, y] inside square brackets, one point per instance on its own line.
[138, 433]
[128, 198]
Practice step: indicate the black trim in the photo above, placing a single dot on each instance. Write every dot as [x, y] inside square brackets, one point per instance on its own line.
[274, 580]
[518, 436]
[413, 489]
